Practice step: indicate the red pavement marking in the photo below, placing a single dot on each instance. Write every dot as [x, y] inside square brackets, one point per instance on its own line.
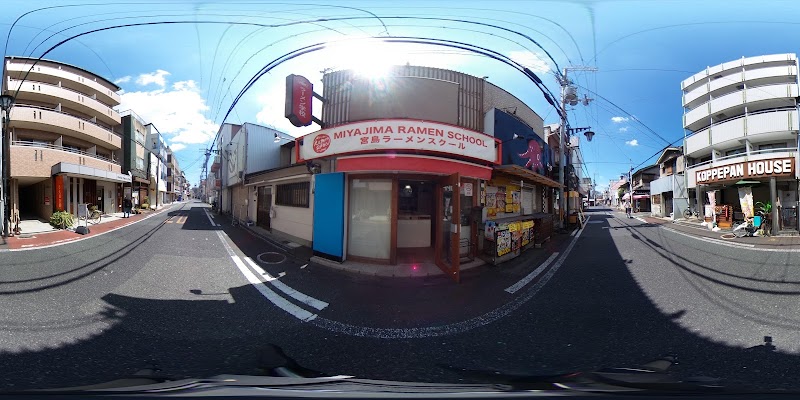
[50, 238]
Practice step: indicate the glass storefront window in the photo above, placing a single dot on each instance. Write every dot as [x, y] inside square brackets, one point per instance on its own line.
[370, 218]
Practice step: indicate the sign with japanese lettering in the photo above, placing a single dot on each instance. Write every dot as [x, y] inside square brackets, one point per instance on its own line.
[749, 169]
[398, 134]
[299, 92]
[58, 191]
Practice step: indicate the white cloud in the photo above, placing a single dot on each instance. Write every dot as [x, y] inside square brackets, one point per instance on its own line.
[177, 146]
[124, 79]
[619, 120]
[530, 59]
[623, 129]
[632, 143]
[159, 78]
[177, 111]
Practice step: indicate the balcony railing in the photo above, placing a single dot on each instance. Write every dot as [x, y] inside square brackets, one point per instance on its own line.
[765, 121]
[64, 95]
[55, 147]
[51, 109]
[746, 155]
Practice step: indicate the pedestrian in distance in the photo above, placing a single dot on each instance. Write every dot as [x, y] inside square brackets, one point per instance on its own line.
[127, 205]
[628, 208]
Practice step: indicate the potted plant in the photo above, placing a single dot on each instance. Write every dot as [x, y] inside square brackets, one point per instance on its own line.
[61, 219]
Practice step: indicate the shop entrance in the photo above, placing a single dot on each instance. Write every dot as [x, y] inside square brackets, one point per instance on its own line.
[415, 227]
[263, 205]
[448, 215]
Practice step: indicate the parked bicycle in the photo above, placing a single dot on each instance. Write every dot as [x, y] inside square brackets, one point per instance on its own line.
[759, 222]
[94, 215]
[690, 212]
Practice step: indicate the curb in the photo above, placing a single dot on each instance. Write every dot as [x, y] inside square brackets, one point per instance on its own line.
[80, 239]
[790, 248]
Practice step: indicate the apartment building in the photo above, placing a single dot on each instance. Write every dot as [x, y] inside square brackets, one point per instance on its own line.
[742, 125]
[134, 156]
[65, 137]
[157, 152]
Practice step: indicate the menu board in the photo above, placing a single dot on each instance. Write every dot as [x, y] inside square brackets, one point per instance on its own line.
[527, 232]
[503, 240]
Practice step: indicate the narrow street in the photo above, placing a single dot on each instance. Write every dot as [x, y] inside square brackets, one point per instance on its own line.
[188, 293]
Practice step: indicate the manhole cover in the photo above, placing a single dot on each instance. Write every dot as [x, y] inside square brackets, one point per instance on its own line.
[271, 257]
[728, 236]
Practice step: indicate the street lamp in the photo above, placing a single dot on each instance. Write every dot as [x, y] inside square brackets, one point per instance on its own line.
[6, 102]
[278, 138]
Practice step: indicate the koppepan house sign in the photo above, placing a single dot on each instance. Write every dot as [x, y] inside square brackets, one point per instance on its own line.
[748, 169]
[398, 134]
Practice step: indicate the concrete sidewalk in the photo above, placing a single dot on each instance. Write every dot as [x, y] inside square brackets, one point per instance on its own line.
[695, 229]
[42, 239]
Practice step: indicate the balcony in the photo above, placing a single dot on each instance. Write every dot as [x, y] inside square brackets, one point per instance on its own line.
[749, 63]
[31, 159]
[771, 125]
[733, 104]
[49, 120]
[47, 93]
[53, 75]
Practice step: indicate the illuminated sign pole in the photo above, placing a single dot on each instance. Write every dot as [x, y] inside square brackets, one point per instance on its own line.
[299, 95]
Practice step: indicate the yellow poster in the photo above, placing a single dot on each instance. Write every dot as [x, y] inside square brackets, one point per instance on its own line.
[513, 226]
[527, 224]
[509, 208]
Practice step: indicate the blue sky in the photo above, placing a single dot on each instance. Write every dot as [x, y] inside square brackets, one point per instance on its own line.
[182, 77]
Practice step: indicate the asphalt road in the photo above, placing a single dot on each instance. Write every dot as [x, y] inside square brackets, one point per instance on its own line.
[193, 297]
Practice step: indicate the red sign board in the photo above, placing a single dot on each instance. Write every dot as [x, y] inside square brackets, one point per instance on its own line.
[58, 189]
[298, 100]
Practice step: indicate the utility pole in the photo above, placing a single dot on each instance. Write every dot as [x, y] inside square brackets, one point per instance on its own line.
[568, 96]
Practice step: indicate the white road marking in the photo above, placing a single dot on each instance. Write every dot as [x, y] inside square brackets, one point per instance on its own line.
[303, 266]
[209, 217]
[715, 241]
[456, 327]
[528, 278]
[301, 297]
[641, 219]
[273, 297]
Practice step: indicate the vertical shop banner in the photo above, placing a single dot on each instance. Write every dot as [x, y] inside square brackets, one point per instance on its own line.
[58, 192]
[298, 100]
[712, 202]
[746, 201]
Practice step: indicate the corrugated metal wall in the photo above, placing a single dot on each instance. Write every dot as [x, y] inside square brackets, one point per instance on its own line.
[337, 88]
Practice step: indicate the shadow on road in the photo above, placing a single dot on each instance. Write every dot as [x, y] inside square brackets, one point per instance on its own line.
[591, 314]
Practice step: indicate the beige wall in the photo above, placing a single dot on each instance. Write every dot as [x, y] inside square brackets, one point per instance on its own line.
[54, 94]
[294, 221]
[65, 124]
[37, 162]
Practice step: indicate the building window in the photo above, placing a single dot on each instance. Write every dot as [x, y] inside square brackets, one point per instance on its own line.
[140, 163]
[293, 194]
[139, 137]
[733, 152]
[771, 146]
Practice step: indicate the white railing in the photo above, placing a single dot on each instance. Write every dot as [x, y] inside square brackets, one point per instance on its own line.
[68, 114]
[61, 148]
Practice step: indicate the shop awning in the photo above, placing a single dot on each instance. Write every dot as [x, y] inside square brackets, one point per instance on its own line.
[524, 173]
[414, 164]
[641, 196]
[89, 172]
